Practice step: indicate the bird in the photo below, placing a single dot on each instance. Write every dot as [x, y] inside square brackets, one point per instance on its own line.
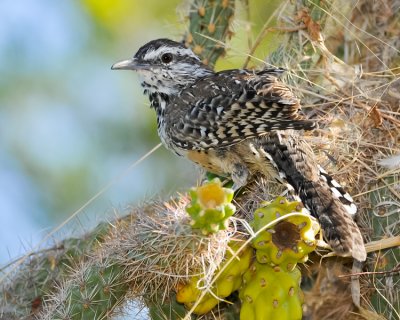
[242, 123]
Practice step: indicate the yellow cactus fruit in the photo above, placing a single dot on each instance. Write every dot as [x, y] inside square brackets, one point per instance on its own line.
[287, 242]
[189, 294]
[228, 281]
[230, 278]
[271, 293]
[211, 207]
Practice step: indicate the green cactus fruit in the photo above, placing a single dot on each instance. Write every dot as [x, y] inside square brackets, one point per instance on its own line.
[211, 207]
[287, 242]
[271, 293]
[228, 281]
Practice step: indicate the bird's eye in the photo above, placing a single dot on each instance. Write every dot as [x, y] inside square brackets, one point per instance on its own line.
[166, 58]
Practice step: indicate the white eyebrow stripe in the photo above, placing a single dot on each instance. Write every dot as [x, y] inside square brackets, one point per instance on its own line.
[154, 54]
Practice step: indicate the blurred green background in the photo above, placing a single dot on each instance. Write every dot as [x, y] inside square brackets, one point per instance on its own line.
[69, 125]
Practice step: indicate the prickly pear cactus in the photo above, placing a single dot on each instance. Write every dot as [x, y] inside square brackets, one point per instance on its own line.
[211, 207]
[287, 242]
[228, 281]
[271, 293]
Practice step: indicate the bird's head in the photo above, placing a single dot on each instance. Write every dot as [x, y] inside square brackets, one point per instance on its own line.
[165, 66]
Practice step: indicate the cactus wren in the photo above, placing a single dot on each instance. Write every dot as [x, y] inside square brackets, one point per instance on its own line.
[241, 123]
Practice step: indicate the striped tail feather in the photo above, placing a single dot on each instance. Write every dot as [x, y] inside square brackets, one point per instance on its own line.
[323, 196]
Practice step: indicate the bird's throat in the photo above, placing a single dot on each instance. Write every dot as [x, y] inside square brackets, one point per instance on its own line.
[159, 101]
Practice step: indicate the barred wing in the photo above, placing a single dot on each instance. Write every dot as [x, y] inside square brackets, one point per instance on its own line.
[235, 105]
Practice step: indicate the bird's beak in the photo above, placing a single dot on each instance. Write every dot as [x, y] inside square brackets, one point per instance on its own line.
[130, 64]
